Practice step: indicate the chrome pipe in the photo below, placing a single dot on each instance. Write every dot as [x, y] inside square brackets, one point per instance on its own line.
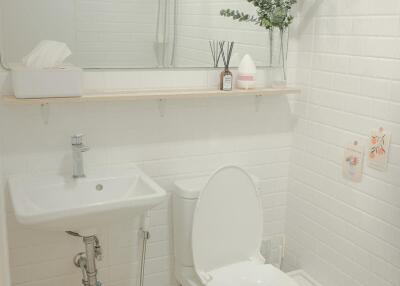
[91, 270]
[146, 237]
[86, 261]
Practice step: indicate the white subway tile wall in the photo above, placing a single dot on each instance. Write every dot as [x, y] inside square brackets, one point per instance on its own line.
[4, 259]
[115, 33]
[130, 33]
[345, 55]
[200, 21]
[194, 138]
[348, 63]
[100, 33]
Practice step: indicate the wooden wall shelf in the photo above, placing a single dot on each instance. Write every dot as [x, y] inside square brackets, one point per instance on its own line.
[153, 95]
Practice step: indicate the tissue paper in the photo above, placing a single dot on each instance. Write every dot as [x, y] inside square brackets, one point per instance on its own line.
[47, 54]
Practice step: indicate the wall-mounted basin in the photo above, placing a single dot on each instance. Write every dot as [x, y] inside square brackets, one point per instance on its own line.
[104, 196]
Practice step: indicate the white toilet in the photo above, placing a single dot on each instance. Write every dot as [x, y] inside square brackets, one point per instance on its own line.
[218, 232]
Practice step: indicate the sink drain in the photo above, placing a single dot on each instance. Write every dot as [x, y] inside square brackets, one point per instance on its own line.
[99, 187]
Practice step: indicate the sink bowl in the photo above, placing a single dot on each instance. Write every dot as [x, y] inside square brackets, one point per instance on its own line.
[105, 196]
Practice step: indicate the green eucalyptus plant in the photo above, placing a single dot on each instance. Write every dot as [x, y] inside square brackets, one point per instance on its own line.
[270, 13]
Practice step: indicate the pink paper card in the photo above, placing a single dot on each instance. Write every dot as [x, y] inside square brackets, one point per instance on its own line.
[353, 162]
[378, 148]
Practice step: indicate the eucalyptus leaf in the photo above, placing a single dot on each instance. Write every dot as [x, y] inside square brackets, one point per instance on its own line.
[270, 13]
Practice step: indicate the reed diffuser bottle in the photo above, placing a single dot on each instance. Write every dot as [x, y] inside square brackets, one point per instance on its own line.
[226, 78]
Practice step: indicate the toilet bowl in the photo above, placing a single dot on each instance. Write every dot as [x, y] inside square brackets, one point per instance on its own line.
[218, 232]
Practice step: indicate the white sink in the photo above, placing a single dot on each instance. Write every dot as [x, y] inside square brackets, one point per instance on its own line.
[104, 196]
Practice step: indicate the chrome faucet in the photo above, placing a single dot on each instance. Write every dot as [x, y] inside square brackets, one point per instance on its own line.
[77, 149]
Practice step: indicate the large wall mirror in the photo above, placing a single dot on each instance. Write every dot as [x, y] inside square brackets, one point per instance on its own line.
[131, 33]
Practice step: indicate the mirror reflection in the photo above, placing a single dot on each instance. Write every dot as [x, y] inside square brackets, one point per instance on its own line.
[133, 33]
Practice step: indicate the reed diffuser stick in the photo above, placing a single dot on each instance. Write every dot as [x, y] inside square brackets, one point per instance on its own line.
[215, 52]
[226, 56]
[230, 53]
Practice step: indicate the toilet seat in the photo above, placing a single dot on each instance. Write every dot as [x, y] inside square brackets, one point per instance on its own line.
[226, 238]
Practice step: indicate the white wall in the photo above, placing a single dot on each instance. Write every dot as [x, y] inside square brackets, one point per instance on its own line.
[4, 259]
[195, 137]
[348, 63]
[100, 33]
[115, 33]
[199, 22]
[20, 18]
[4, 264]
[122, 33]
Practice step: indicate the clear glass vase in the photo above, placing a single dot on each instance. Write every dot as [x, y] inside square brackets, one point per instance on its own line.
[277, 49]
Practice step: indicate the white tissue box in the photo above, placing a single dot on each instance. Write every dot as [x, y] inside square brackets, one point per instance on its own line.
[63, 81]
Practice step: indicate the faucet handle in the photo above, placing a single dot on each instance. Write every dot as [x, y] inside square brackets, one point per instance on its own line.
[77, 139]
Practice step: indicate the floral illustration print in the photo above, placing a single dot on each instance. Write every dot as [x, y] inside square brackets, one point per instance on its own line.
[377, 146]
[353, 161]
[378, 149]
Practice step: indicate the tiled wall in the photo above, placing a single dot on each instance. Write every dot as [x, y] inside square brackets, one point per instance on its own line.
[4, 261]
[200, 21]
[194, 137]
[19, 39]
[115, 33]
[348, 62]
[342, 233]
[100, 33]
[123, 33]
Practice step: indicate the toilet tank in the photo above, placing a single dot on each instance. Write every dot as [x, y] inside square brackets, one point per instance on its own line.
[184, 202]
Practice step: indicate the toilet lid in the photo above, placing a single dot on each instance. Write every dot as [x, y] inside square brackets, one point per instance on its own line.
[227, 223]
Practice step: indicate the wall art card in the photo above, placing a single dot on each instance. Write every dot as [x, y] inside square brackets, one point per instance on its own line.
[378, 149]
[353, 162]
